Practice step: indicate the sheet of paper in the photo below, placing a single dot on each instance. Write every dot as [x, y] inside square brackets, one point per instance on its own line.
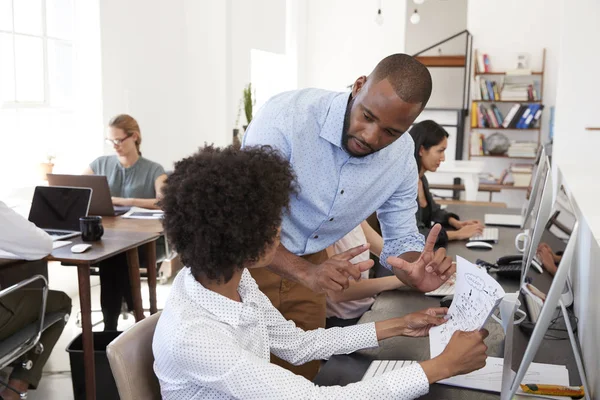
[143, 213]
[476, 295]
[60, 243]
[490, 377]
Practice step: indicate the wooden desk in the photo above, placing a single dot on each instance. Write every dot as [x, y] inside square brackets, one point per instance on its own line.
[345, 369]
[113, 242]
[133, 225]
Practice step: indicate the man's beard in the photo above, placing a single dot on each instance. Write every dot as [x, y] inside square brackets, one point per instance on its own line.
[346, 137]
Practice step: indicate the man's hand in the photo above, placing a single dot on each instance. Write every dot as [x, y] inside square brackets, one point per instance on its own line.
[333, 274]
[430, 270]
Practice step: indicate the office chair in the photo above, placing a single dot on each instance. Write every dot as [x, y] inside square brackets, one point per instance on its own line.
[13, 349]
[132, 361]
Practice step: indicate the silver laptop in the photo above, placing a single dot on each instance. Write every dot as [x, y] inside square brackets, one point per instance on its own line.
[503, 220]
[57, 209]
[101, 201]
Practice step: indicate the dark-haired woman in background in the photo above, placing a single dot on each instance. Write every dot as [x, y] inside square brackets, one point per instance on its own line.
[431, 141]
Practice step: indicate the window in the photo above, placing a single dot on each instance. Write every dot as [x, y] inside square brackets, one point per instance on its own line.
[36, 53]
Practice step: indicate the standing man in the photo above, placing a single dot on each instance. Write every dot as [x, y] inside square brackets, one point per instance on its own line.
[351, 158]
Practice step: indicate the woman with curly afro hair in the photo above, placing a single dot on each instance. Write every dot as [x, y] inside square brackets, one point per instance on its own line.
[223, 211]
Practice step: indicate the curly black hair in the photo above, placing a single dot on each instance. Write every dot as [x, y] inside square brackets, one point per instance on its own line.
[223, 207]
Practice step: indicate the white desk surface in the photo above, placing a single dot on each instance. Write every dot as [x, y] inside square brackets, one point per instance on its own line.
[461, 166]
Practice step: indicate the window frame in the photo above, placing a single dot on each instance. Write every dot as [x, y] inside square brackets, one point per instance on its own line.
[15, 104]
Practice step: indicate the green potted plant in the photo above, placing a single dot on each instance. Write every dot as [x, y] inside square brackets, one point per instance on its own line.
[46, 167]
[236, 130]
[249, 102]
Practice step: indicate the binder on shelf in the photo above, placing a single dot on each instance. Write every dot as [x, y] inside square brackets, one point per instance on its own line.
[537, 115]
[528, 121]
[517, 117]
[520, 124]
[511, 115]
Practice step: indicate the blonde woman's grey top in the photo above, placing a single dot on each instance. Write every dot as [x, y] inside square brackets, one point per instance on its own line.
[136, 181]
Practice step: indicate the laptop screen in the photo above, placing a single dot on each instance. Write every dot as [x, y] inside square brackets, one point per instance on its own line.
[56, 207]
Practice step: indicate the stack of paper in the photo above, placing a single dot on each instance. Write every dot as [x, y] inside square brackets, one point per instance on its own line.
[490, 377]
[143, 213]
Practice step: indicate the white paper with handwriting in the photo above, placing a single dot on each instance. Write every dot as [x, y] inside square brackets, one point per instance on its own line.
[476, 296]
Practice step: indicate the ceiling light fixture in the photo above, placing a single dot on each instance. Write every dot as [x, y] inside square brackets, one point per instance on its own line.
[379, 16]
[415, 18]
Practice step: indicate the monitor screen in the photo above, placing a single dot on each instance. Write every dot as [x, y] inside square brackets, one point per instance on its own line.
[533, 193]
[540, 294]
[57, 207]
[541, 207]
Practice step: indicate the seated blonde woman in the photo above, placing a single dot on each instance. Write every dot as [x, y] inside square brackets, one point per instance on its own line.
[133, 181]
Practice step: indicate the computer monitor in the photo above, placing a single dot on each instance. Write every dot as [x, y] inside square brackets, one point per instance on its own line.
[541, 209]
[539, 170]
[559, 288]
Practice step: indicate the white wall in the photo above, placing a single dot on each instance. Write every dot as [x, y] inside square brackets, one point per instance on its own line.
[503, 28]
[343, 41]
[440, 20]
[257, 24]
[576, 154]
[181, 67]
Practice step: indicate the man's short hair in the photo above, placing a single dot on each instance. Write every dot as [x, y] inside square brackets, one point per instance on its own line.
[223, 207]
[410, 79]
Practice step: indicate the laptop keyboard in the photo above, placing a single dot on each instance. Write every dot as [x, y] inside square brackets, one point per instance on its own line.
[488, 235]
[446, 289]
[379, 367]
[56, 233]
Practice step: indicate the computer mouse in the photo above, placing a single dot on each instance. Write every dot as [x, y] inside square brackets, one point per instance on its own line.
[80, 248]
[447, 301]
[479, 245]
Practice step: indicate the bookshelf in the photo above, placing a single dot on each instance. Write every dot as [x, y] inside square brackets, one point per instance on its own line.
[508, 102]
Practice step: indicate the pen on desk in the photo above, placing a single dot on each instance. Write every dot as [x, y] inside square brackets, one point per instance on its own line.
[575, 392]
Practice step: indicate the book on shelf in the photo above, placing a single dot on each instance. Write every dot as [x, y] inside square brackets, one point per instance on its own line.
[477, 144]
[483, 63]
[520, 91]
[521, 174]
[523, 149]
[520, 116]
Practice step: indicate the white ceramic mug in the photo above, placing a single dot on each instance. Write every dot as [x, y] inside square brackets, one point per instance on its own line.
[518, 311]
[522, 240]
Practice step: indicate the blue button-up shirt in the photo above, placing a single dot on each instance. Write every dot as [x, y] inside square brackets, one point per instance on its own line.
[337, 191]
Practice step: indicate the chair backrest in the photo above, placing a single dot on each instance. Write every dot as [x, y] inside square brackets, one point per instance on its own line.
[131, 361]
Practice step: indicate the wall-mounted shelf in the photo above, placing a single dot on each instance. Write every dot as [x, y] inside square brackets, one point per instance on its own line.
[509, 101]
[504, 73]
[443, 61]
